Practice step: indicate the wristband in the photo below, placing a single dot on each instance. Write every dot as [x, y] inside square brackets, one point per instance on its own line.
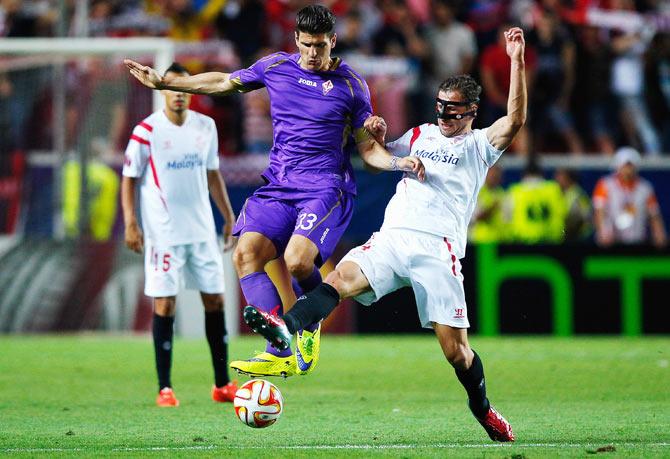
[394, 163]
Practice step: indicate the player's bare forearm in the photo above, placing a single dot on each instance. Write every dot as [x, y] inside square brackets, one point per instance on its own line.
[133, 234]
[212, 83]
[377, 157]
[502, 132]
[128, 200]
[219, 193]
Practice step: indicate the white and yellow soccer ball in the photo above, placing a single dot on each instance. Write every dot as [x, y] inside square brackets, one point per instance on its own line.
[258, 403]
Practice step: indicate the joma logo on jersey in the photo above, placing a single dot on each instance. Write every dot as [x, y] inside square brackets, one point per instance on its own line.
[438, 157]
[307, 82]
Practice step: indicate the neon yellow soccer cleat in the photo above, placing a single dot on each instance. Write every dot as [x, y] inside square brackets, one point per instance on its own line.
[266, 364]
[307, 350]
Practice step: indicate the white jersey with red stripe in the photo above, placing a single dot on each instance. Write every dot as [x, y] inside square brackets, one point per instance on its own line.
[456, 168]
[171, 163]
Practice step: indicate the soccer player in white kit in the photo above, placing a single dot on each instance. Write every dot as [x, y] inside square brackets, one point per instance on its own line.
[424, 231]
[172, 162]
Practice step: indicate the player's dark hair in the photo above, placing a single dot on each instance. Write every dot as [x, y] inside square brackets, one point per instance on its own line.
[314, 20]
[176, 67]
[465, 84]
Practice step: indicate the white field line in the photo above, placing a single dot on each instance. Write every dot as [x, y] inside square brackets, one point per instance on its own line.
[352, 447]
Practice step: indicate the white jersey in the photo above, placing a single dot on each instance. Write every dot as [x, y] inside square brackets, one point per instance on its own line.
[171, 163]
[455, 171]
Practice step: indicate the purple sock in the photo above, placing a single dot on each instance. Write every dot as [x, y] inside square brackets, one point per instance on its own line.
[307, 285]
[259, 291]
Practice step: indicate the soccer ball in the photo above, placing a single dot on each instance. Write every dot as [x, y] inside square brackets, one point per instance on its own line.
[258, 403]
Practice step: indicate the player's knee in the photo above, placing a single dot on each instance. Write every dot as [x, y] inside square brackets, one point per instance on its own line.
[341, 282]
[213, 303]
[298, 266]
[165, 307]
[459, 355]
[244, 259]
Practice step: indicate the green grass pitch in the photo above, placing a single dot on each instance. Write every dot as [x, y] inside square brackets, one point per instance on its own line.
[379, 396]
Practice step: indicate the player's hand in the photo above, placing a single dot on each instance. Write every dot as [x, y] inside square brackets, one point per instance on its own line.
[145, 74]
[515, 43]
[228, 239]
[376, 126]
[414, 165]
[134, 238]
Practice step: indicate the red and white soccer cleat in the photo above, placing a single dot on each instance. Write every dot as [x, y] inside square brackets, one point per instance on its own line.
[225, 393]
[496, 426]
[166, 397]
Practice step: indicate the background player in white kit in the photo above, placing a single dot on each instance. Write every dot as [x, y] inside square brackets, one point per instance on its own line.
[424, 231]
[172, 161]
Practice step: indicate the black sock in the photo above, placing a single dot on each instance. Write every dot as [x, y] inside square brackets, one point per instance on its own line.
[162, 329]
[475, 385]
[215, 329]
[312, 307]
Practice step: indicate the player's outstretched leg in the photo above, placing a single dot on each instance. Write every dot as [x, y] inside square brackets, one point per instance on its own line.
[470, 372]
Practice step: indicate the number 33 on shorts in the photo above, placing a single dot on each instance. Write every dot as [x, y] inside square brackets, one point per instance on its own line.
[306, 221]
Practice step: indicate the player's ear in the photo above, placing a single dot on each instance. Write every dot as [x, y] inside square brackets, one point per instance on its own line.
[296, 34]
[333, 40]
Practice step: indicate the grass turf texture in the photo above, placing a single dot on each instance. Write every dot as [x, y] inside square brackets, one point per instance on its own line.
[390, 396]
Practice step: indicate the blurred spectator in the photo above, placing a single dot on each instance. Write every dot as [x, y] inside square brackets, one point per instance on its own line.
[257, 122]
[401, 35]
[102, 187]
[628, 84]
[6, 137]
[26, 18]
[485, 17]
[452, 44]
[488, 222]
[494, 70]
[593, 95]
[235, 22]
[350, 35]
[578, 218]
[625, 205]
[189, 22]
[658, 85]
[553, 84]
[536, 208]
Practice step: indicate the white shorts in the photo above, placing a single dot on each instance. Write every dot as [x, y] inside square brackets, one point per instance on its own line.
[201, 264]
[392, 259]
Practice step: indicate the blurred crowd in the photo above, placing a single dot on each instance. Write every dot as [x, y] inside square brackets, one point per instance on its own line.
[598, 71]
[623, 208]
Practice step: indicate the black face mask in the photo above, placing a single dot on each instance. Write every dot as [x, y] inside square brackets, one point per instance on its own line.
[441, 108]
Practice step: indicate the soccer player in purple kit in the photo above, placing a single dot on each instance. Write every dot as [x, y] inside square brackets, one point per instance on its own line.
[318, 107]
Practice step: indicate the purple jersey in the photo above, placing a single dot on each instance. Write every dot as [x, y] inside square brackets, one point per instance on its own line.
[317, 117]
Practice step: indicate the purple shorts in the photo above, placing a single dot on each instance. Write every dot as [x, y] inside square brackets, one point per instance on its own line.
[278, 213]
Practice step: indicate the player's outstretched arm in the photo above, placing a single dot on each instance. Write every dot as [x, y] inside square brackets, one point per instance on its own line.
[377, 157]
[133, 233]
[219, 193]
[212, 83]
[501, 133]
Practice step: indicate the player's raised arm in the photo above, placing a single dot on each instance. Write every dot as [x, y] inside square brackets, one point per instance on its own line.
[369, 140]
[212, 83]
[501, 133]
